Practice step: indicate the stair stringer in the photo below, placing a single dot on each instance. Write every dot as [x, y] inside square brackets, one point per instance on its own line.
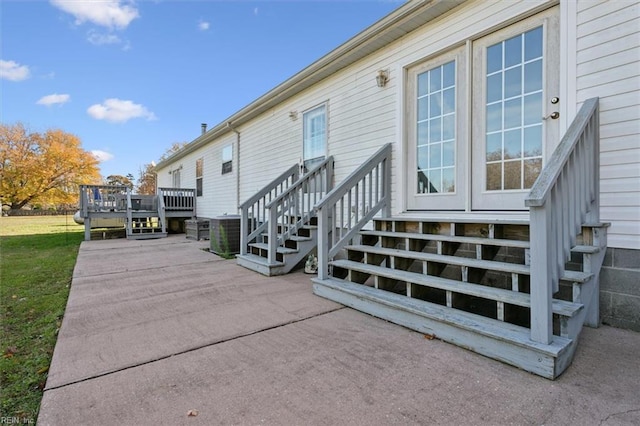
[589, 292]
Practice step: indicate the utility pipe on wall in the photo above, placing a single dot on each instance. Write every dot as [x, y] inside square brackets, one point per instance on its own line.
[233, 129]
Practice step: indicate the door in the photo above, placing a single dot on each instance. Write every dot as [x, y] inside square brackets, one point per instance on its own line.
[514, 110]
[482, 119]
[436, 133]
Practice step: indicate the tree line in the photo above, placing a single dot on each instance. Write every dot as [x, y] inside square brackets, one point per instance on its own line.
[47, 169]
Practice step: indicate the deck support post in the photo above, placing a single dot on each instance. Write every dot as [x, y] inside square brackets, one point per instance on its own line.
[87, 228]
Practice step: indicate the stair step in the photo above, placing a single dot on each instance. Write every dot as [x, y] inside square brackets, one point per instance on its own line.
[258, 259]
[260, 264]
[596, 225]
[282, 250]
[146, 235]
[572, 276]
[452, 217]
[585, 249]
[441, 258]
[450, 238]
[295, 238]
[499, 340]
[560, 307]
[576, 276]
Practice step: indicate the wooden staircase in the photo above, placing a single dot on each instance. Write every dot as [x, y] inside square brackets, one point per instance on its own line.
[294, 251]
[279, 225]
[466, 282]
[518, 290]
[145, 217]
[145, 227]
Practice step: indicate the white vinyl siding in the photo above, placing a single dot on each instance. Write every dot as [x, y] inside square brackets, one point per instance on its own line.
[363, 116]
[608, 66]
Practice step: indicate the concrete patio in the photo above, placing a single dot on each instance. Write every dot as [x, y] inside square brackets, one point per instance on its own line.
[157, 330]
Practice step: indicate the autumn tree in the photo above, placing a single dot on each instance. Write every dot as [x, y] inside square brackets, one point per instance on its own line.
[120, 180]
[147, 179]
[175, 147]
[42, 168]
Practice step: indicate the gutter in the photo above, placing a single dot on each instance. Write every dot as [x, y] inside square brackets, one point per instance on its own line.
[233, 129]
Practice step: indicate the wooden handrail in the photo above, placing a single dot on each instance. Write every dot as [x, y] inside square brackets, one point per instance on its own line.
[549, 176]
[565, 195]
[348, 207]
[293, 170]
[293, 208]
[253, 213]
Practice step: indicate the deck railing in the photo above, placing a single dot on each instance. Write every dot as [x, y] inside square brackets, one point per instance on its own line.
[565, 195]
[181, 199]
[116, 198]
[253, 212]
[344, 211]
[293, 208]
[94, 198]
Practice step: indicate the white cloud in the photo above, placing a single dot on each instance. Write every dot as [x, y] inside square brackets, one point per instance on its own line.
[119, 111]
[102, 156]
[54, 99]
[203, 25]
[106, 13]
[100, 39]
[13, 71]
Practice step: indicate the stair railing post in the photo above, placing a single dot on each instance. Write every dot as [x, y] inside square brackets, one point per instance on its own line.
[129, 214]
[272, 234]
[386, 185]
[244, 229]
[161, 210]
[323, 243]
[541, 275]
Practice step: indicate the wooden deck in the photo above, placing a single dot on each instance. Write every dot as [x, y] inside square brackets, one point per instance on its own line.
[145, 216]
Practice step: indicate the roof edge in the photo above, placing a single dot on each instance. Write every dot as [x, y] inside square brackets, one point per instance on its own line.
[296, 83]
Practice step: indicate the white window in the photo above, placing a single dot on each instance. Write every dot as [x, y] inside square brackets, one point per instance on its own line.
[227, 159]
[199, 172]
[436, 129]
[175, 178]
[314, 145]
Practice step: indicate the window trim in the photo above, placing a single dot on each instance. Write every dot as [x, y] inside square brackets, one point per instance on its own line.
[199, 176]
[323, 108]
[227, 165]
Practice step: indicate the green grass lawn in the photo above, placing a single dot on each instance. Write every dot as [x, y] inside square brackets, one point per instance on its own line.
[37, 256]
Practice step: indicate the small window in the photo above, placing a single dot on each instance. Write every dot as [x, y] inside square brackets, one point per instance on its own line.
[314, 144]
[227, 159]
[175, 178]
[199, 169]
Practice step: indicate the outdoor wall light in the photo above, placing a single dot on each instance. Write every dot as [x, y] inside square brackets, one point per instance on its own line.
[293, 115]
[382, 78]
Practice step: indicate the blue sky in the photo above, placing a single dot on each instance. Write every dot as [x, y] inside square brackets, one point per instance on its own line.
[132, 78]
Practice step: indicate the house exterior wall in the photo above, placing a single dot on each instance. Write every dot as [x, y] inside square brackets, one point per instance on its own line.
[361, 116]
[600, 51]
[219, 195]
[608, 66]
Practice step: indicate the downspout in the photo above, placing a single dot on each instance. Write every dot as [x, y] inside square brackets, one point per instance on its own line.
[233, 129]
